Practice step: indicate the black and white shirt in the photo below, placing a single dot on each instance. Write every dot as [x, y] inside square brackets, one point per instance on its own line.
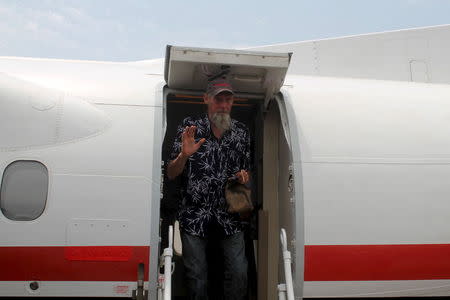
[203, 205]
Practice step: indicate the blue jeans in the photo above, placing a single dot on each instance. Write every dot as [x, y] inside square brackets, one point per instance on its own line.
[196, 267]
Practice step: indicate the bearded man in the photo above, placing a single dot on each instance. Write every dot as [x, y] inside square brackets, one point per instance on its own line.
[206, 153]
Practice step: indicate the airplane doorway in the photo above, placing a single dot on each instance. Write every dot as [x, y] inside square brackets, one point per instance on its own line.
[272, 190]
[246, 109]
[257, 78]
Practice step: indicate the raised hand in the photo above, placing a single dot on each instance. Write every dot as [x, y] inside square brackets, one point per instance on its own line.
[189, 146]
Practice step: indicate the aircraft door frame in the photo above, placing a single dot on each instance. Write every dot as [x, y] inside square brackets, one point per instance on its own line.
[296, 243]
[159, 125]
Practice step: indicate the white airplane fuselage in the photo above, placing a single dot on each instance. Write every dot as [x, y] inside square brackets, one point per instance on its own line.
[370, 159]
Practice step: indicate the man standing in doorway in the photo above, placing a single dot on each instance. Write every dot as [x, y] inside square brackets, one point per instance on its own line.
[206, 153]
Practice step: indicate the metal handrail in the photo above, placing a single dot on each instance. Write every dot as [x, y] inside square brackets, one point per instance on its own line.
[287, 288]
[165, 289]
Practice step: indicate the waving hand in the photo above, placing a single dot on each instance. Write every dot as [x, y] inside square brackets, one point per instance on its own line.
[189, 146]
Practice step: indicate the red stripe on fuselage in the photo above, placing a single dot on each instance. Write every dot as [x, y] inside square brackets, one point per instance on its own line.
[83, 263]
[322, 263]
[117, 253]
[377, 262]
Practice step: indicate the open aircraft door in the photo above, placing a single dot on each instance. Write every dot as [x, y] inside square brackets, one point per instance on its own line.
[258, 76]
[248, 71]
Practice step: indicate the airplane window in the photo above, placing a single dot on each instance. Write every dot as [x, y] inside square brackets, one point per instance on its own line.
[24, 190]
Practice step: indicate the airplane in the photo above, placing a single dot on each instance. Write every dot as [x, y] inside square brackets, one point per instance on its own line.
[351, 156]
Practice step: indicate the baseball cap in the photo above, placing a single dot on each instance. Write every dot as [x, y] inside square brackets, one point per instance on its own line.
[217, 86]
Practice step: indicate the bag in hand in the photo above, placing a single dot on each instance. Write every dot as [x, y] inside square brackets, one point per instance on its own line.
[238, 197]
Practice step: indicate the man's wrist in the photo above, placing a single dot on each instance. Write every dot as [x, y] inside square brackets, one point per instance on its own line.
[183, 156]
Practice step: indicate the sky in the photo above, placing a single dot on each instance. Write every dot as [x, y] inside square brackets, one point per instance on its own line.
[119, 30]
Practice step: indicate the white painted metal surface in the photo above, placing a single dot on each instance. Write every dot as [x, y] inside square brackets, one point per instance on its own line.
[385, 55]
[95, 82]
[377, 146]
[83, 186]
[69, 289]
[50, 117]
[248, 71]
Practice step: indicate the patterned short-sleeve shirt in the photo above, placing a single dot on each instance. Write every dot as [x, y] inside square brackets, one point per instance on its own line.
[205, 174]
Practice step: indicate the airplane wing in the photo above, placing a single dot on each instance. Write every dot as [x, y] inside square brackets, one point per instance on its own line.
[418, 55]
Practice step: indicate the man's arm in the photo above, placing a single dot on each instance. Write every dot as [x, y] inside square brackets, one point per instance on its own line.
[176, 166]
[188, 147]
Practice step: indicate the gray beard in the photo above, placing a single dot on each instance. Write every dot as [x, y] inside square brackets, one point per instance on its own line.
[222, 121]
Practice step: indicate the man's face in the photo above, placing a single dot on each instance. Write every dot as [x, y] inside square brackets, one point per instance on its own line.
[221, 103]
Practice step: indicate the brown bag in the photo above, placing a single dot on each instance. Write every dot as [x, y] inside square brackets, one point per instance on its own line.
[238, 197]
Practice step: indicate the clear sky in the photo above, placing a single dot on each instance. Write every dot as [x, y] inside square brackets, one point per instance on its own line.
[127, 30]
